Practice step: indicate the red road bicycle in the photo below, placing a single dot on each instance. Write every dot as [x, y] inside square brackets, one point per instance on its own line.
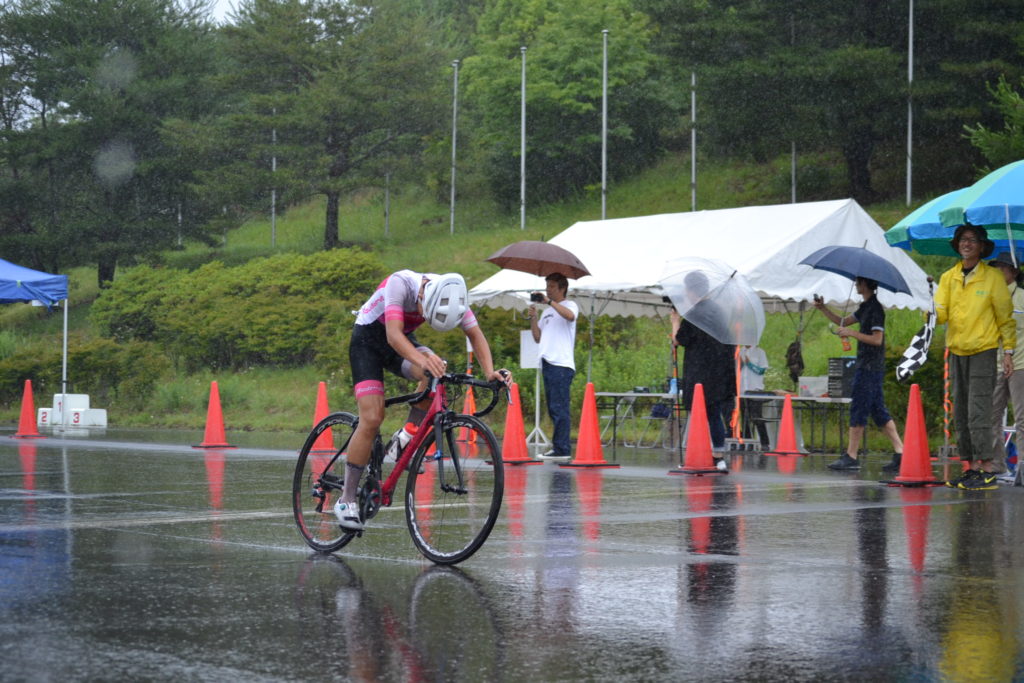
[453, 488]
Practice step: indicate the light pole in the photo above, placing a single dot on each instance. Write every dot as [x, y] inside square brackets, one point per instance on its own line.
[455, 128]
[693, 141]
[522, 144]
[273, 188]
[910, 108]
[604, 128]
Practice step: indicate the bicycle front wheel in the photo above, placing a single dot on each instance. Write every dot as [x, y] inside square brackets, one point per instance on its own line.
[453, 493]
[318, 481]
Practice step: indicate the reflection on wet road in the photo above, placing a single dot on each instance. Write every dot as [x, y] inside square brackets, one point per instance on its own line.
[136, 561]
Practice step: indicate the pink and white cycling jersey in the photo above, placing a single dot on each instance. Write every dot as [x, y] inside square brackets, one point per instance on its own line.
[395, 299]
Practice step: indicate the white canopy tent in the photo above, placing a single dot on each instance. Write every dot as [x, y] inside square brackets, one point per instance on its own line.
[626, 257]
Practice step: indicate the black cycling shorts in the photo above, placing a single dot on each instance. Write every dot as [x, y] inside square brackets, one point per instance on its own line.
[369, 354]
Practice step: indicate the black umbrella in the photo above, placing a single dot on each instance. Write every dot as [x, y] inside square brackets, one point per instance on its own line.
[855, 262]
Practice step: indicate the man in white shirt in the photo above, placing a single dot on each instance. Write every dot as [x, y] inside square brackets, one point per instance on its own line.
[555, 331]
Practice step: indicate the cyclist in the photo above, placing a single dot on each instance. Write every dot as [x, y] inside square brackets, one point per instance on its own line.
[383, 338]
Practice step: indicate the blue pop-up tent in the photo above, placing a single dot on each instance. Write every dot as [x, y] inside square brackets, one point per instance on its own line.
[18, 284]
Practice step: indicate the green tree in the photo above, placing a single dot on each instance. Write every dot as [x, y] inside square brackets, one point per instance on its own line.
[1006, 144]
[822, 74]
[833, 76]
[341, 85]
[564, 92]
[84, 175]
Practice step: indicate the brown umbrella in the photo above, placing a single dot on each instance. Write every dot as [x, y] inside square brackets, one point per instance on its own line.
[539, 258]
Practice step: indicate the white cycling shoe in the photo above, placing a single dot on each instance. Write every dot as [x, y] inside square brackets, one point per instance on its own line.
[348, 516]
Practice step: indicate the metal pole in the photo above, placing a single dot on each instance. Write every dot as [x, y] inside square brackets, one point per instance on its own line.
[455, 129]
[604, 128]
[693, 141]
[910, 108]
[537, 437]
[590, 346]
[792, 155]
[273, 190]
[792, 171]
[522, 144]
[64, 372]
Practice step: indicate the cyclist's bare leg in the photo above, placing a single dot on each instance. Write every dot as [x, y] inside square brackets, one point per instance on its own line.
[371, 415]
[417, 411]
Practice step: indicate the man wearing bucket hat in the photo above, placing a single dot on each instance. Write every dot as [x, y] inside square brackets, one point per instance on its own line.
[1010, 388]
[973, 300]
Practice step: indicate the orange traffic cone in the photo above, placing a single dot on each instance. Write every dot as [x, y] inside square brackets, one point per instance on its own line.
[214, 435]
[468, 407]
[325, 442]
[698, 458]
[786, 443]
[27, 422]
[588, 445]
[513, 444]
[915, 466]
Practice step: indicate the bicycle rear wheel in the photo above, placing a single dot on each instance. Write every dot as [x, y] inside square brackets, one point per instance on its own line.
[452, 502]
[317, 484]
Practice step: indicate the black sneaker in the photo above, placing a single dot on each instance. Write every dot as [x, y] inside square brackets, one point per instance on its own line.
[982, 481]
[893, 466]
[968, 474]
[845, 462]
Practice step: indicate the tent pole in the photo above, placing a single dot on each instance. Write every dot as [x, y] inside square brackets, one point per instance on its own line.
[64, 372]
[537, 437]
[590, 346]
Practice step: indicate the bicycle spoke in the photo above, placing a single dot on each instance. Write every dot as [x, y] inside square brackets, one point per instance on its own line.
[453, 496]
[317, 484]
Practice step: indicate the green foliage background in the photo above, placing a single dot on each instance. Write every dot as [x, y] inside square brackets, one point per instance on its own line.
[270, 323]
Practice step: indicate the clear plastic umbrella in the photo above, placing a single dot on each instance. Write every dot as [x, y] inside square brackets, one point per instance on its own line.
[716, 298]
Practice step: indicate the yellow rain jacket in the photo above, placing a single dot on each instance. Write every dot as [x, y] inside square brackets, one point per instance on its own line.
[977, 308]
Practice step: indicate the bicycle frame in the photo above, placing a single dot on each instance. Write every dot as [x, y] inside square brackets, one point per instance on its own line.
[436, 413]
[438, 407]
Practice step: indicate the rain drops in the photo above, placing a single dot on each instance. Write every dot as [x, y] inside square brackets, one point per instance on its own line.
[115, 162]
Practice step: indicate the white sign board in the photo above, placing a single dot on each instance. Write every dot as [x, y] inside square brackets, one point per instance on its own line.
[529, 350]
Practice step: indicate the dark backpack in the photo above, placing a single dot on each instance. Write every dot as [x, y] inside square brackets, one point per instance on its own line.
[795, 360]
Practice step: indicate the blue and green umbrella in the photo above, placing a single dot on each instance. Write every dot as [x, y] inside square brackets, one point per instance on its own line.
[996, 202]
[922, 230]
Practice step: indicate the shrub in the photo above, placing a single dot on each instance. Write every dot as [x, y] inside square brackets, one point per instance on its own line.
[40, 363]
[110, 372]
[131, 307]
[282, 310]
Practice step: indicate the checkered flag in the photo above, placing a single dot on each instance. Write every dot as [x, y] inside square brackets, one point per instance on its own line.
[916, 354]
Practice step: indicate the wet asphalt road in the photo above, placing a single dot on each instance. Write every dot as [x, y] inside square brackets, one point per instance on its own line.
[122, 560]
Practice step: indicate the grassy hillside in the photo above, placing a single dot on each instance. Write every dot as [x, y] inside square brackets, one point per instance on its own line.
[626, 355]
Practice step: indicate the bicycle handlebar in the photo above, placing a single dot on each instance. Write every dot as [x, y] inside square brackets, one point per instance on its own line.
[494, 386]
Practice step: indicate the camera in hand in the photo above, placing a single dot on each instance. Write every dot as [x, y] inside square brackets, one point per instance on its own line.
[537, 298]
[666, 300]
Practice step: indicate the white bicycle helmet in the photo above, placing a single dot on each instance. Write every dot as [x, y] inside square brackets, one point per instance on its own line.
[445, 301]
